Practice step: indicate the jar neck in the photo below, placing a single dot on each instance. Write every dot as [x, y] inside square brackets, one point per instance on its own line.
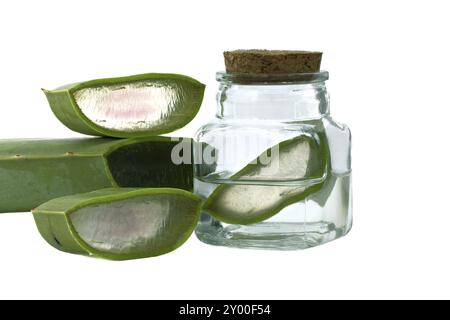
[281, 101]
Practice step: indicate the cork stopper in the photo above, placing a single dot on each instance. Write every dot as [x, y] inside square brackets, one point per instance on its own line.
[272, 61]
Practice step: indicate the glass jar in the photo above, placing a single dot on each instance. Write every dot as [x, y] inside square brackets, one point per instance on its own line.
[273, 166]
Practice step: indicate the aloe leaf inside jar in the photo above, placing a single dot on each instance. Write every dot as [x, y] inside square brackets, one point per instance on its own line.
[296, 168]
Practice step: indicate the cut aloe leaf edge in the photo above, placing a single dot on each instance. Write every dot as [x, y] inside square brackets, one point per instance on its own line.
[119, 223]
[251, 203]
[33, 171]
[132, 106]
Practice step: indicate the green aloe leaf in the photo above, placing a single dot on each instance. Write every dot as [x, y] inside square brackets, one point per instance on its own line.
[119, 223]
[262, 189]
[33, 171]
[133, 106]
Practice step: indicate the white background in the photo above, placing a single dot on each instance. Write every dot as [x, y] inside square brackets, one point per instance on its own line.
[389, 65]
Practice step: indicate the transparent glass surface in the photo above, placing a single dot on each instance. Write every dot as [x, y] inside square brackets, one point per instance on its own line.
[273, 167]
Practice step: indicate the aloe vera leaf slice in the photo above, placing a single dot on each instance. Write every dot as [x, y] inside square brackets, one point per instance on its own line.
[133, 106]
[298, 158]
[119, 223]
[33, 171]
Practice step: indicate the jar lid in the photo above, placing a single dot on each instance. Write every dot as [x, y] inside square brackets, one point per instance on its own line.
[272, 61]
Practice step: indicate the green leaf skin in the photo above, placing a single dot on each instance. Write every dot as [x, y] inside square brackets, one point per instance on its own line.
[63, 104]
[33, 171]
[169, 226]
[221, 209]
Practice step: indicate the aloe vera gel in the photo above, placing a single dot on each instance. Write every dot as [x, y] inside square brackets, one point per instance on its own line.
[273, 167]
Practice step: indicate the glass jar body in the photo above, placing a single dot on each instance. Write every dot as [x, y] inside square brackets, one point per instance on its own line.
[273, 167]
